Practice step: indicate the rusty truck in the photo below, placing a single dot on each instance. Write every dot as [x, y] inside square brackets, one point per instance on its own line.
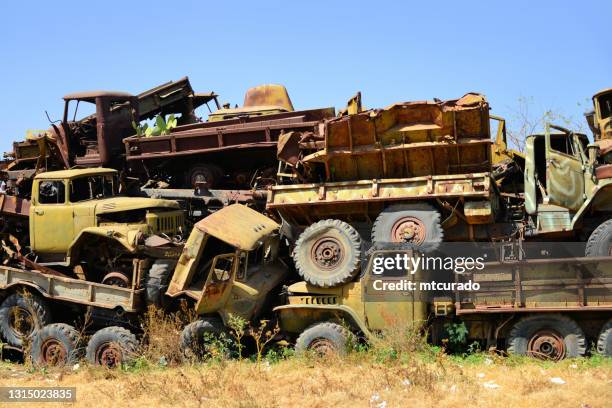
[229, 265]
[544, 308]
[424, 172]
[95, 140]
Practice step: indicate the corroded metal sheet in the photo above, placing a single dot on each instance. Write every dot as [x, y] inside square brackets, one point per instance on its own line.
[407, 139]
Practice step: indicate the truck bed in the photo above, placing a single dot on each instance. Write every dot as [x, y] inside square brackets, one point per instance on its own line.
[539, 285]
[73, 290]
[208, 137]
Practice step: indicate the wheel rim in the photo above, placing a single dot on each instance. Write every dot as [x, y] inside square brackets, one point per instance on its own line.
[202, 176]
[323, 347]
[327, 253]
[109, 355]
[546, 345]
[53, 352]
[116, 279]
[409, 230]
[21, 321]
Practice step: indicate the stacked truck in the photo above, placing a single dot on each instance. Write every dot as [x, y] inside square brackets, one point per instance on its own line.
[414, 174]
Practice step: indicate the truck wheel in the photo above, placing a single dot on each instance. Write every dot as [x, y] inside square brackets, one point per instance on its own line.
[328, 253]
[200, 339]
[600, 241]
[111, 346]
[417, 224]
[55, 345]
[604, 342]
[325, 339]
[156, 279]
[22, 314]
[549, 337]
[208, 173]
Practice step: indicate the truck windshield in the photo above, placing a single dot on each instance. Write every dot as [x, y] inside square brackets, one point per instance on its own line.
[605, 106]
[92, 187]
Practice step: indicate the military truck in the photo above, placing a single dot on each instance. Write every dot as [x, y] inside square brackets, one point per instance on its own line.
[80, 223]
[600, 119]
[229, 265]
[234, 149]
[95, 139]
[545, 308]
[423, 173]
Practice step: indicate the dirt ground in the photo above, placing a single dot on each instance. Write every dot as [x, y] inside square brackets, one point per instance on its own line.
[350, 382]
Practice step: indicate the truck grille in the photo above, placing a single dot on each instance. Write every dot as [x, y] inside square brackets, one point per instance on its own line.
[169, 222]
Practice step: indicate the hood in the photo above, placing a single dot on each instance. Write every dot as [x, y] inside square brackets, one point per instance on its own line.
[117, 204]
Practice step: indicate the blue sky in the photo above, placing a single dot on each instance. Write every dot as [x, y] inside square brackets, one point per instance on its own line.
[556, 52]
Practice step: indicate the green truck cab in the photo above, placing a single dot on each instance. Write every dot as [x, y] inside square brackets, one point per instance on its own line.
[79, 221]
[229, 267]
[568, 188]
[549, 310]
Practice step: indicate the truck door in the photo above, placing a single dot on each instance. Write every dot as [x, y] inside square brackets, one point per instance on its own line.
[385, 309]
[51, 219]
[218, 283]
[564, 170]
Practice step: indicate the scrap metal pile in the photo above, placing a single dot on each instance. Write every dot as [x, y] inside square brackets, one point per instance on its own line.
[132, 205]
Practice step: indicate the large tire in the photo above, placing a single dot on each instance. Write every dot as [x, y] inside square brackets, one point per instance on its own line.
[600, 240]
[156, 280]
[21, 315]
[328, 253]
[197, 339]
[604, 341]
[112, 346]
[417, 224]
[55, 345]
[325, 339]
[552, 337]
[208, 173]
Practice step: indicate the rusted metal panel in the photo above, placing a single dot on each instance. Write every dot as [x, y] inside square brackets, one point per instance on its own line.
[407, 139]
[73, 290]
[572, 284]
[239, 226]
[12, 205]
[252, 132]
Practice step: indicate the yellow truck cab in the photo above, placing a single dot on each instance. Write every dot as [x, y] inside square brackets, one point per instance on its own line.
[78, 217]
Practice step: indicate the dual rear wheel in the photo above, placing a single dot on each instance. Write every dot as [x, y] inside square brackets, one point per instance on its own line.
[59, 344]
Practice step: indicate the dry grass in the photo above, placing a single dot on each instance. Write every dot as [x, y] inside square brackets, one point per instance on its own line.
[357, 381]
[398, 370]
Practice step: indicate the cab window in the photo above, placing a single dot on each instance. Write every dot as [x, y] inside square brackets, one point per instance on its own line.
[51, 192]
[92, 187]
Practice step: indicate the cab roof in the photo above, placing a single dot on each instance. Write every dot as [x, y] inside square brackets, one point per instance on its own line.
[239, 226]
[72, 173]
[602, 92]
[90, 96]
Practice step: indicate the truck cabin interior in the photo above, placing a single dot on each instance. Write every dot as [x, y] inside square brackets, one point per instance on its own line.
[97, 137]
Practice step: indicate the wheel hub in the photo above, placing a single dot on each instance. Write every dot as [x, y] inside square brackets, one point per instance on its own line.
[322, 347]
[547, 345]
[408, 230]
[109, 355]
[53, 352]
[116, 279]
[327, 252]
[21, 321]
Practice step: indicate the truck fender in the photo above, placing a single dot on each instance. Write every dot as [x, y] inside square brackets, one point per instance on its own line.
[603, 192]
[123, 236]
[14, 288]
[296, 318]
